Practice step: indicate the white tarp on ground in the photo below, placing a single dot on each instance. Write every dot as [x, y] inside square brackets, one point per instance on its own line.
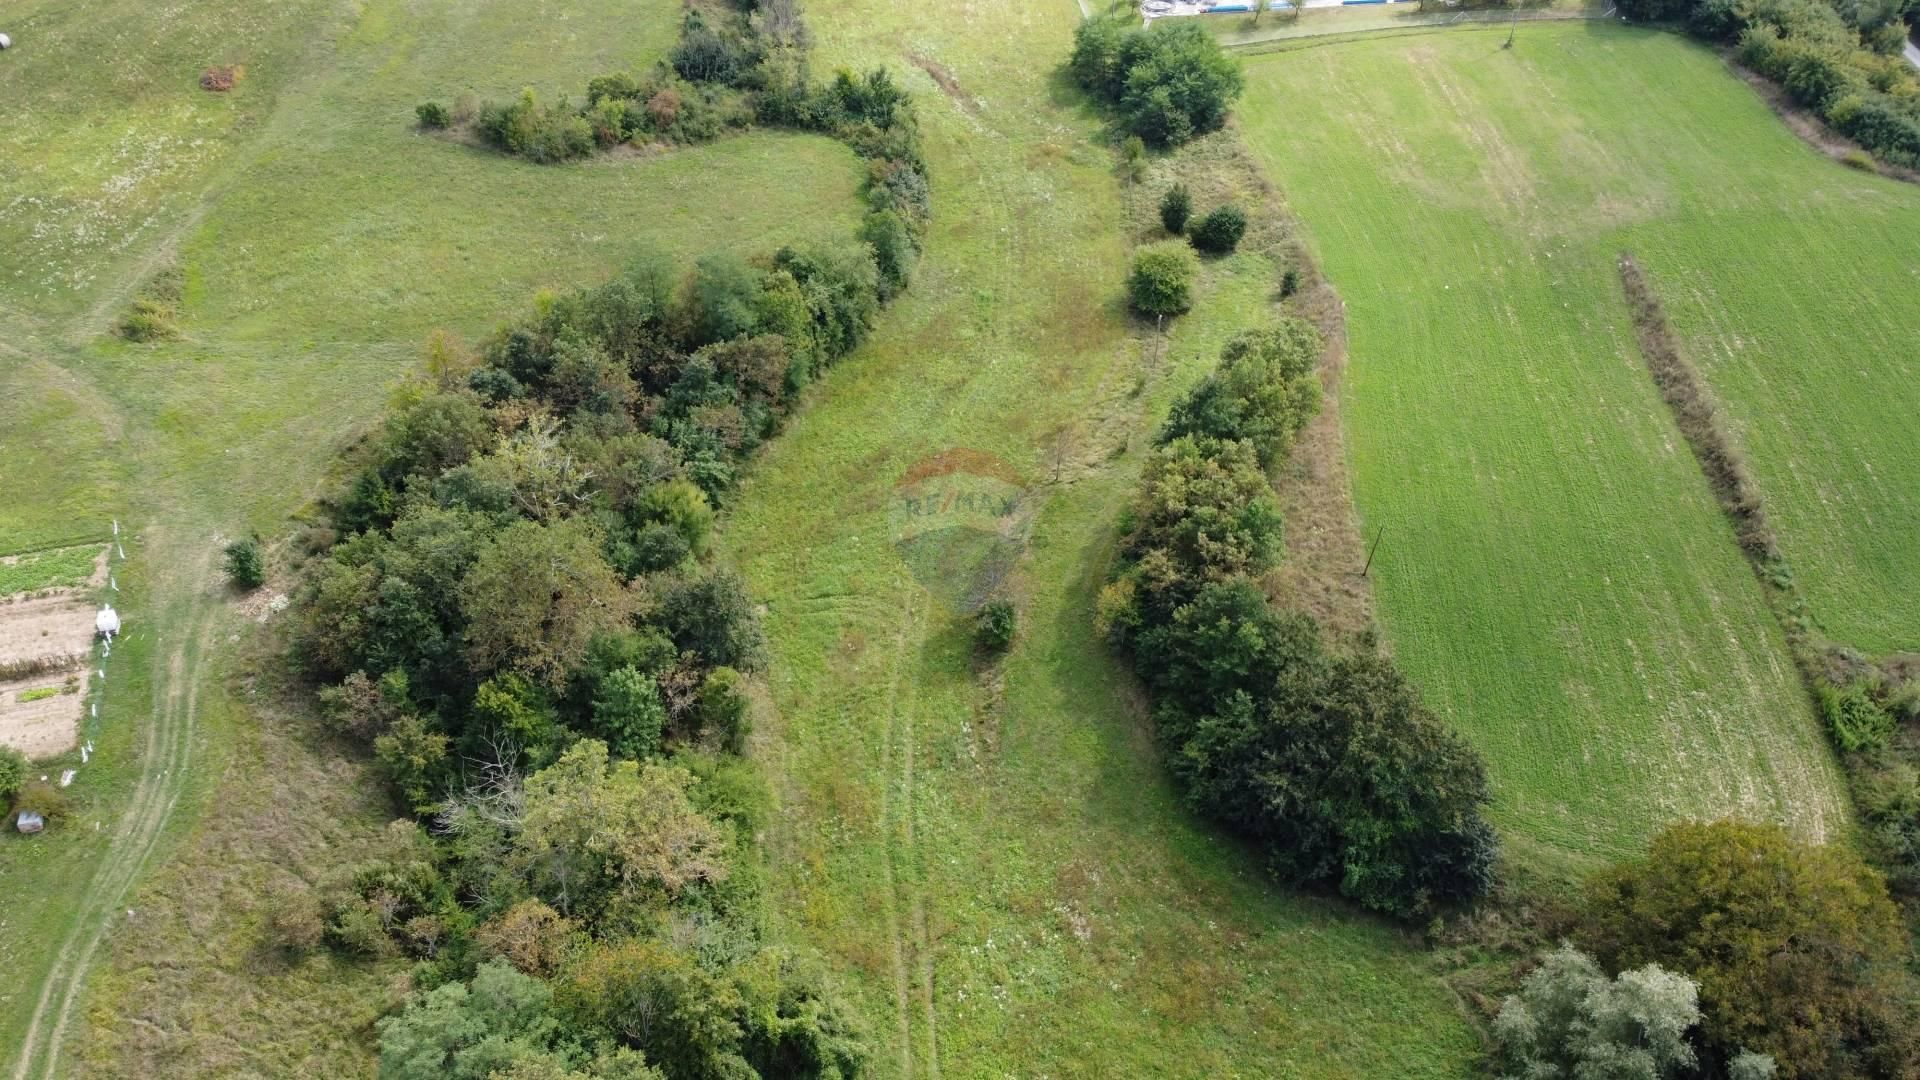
[107, 622]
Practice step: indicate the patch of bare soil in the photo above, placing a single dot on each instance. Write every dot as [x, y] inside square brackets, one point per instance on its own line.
[222, 79]
[1321, 573]
[949, 85]
[46, 640]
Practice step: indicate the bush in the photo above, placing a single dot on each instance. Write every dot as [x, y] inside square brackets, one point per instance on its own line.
[1857, 722]
[722, 709]
[1220, 231]
[994, 626]
[1570, 1020]
[150, 320]
[1797, 949]
[13, 772]
[1162, 279]
[1175, 207]
[43, 797]
[246, 564]
[432, 114]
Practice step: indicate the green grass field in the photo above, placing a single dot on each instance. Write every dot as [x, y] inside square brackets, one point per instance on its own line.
[1554, 570]
[318, 239]
[993, 859]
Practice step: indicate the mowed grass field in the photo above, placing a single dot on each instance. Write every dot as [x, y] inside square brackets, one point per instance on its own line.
[1553, 568]
[991, 857]
[318, 240]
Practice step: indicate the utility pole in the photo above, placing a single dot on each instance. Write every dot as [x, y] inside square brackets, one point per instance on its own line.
[1375, 546]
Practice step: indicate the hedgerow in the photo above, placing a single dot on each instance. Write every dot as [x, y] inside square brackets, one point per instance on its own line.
[1840, 59]
[1323, 758]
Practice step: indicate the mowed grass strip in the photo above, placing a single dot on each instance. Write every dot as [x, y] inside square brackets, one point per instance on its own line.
[993, 860]
[1553, 569]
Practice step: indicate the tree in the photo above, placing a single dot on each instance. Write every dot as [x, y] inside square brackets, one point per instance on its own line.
[529, 935]
[1220, 231]
[1208, 510]
[1170, 83]
[536, 596]
[1796, 947]
[593, 826]
[1570, 1022]
[722, 709]
[1264, 391]
[246, 566]
[655, 999]
[723, 298]
[467, 1031]
[713, 617]
[1175, 207]
[1179, 83]
[1161, 282]
[628, 713]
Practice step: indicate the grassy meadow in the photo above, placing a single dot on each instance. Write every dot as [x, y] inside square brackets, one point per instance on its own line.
[315, 239]
[1554, 570]
[991, 857]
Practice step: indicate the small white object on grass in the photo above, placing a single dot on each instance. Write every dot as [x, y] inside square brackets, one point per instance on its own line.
[5, 42]
[66, 777]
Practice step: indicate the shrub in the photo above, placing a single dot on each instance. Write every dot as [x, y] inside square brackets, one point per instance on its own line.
[1570, 1020]
[722, 709]
[994, 626]
[1797, 949]
[1162, 279]
[1220, 231]
[893, 253]
[13, 772]
[43, 797]
[432, 114]
[1175, 207]
[246, 565]
[150, 320]
[1857, 722]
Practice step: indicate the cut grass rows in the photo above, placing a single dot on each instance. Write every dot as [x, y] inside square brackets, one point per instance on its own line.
[1555, 571]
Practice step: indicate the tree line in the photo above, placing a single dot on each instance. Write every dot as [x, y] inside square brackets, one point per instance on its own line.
[1841, 59]
[1323, 757]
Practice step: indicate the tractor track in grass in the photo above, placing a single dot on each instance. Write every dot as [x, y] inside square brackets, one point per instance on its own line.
[165, 757]
[906, 905]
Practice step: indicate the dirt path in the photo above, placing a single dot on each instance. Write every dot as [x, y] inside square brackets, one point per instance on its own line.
[165, 759]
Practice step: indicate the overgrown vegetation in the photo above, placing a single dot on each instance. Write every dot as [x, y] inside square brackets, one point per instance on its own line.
[1166, 83]
[1323, 757]
[1840, 59]
[518, 612]
[1569, 1021]
[1798, 952]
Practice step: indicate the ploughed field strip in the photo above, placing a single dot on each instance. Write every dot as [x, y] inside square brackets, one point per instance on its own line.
[46, 632]
[1554, 570]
